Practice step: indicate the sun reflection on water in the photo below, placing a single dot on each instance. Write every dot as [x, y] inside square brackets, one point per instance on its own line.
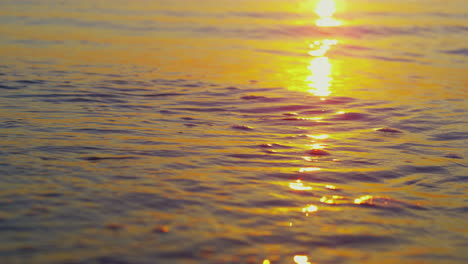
[318, 146]
[299, 186]
[321, 47]
[301, 259]
[320, 78]
[309, 209]
[325, 9]
[321, 136]
[310, 169]
[319, 82]
[366, 199]
[335, 199]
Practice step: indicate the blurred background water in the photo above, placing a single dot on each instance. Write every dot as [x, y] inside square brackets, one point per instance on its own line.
[230, 131]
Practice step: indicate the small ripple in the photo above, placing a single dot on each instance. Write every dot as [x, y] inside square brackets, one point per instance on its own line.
[275, 146]
[276, 109]
[5, 87]
[422, 169]
[361, 177]
[74, 100]
[318, 152]
[177, 254]
[455, 179]
[95, 158]
[68, 149]
[275, 238]
[453, 156]
[441, 258]
[242, 127]
[316, 112]
[450, 136]
[350, 117]
[13, 123]
[460, 210]
[101, 131]
[118, 82]
[152, 201]
[31, 81]
[192, 85]
[259, 156]
[389, 130]
[463, 52]
[338, 100]
[252, 97]
[51, 195]
[268, 15]
[105, 260]
[162, 94]
[201, 109]
[356, 240]
[275, 203]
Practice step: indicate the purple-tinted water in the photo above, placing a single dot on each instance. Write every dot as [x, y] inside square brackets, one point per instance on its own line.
[206, 132]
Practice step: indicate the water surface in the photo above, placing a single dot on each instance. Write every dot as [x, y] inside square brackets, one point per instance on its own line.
[233, 132]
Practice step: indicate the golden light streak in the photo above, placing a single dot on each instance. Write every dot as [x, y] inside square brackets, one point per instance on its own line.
[320, 67]
[309, 209]
[299, 186]
[319, 52]
[316, 118]
[329, 42]
[309, 169]
[321, 136]
[317, 146]
[325, 10]
[320, 79]
[301, 259]
[328, 22]
[366, 199]
[321, 47]
[310, 118]
[331, 200]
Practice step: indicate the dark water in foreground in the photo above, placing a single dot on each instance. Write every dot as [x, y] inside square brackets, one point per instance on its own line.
[153, 133]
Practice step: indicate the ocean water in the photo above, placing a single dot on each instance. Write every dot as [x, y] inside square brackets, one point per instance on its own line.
[199, 131]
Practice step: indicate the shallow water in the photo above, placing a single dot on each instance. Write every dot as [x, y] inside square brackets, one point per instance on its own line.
[233, 132]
